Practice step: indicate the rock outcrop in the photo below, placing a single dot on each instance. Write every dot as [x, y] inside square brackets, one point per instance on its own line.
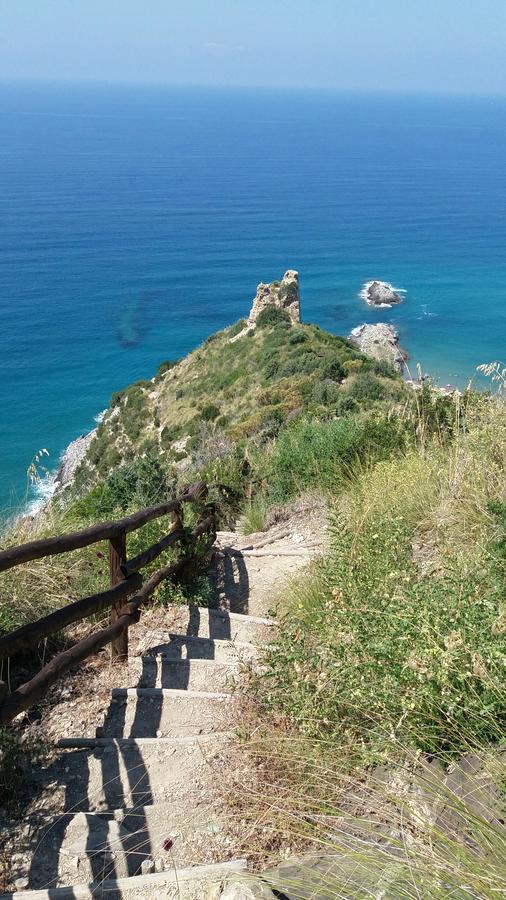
[71, 459]
[284, 294]
[381, 342]
[380, 293]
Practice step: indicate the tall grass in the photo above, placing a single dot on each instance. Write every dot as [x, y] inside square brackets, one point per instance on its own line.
[420, 828]
[399, 631]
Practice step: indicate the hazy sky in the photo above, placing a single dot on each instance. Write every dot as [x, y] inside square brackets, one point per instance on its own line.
[433, 45]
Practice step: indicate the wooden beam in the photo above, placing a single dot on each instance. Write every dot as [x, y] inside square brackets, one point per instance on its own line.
[30, 635]
[37, 687]
[147, 556]
[34, 690]
[117, 558]
[104, 531]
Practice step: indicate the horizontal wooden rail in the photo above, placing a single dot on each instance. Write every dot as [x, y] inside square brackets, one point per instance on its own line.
[14, 556]
[34, 690]
[125, 582]
[147, 556]
[30, 635]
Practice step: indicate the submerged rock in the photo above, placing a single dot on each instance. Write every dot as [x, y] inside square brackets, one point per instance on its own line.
[284, 294]
[380, 293]
[381, 342]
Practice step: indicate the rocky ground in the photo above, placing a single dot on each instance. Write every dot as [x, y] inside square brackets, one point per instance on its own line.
[380, 342]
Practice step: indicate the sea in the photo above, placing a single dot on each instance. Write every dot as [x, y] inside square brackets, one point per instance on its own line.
[135, 221]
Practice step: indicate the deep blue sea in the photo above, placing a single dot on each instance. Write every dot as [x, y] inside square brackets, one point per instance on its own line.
[136, 221]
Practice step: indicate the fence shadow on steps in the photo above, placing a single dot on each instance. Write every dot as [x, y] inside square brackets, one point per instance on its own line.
[120, 769]
[121, 783]
[232, 581]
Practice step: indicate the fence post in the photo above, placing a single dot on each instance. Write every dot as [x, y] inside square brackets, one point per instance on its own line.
[118, 556]
[177, 518]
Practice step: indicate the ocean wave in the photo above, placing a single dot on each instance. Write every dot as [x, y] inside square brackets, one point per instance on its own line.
[99, 416]
[43, 490]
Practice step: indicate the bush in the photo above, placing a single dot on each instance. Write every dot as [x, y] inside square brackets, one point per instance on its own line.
[298, 338]
[237, 328]
[209, 412]
[384, 369]
[143, 482]
[272, 315]
[365, 387]
[166, 365]
[322, 454]
[326, 393]
[253, 516]
[333, 370]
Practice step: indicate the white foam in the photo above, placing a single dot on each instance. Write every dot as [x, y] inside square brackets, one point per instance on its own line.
[99, 416]
[43, 490]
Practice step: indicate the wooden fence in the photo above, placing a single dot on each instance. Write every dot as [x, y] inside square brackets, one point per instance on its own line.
[124, 597]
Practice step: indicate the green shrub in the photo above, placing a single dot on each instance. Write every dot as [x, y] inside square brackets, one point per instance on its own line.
[271, 423]
[166, 365]
[322, 454]
[384, 369]
[333, 370]
[272, 315]
[326, 393]
[253, 516]
[298, 338]
[365, 387]
[209, 412]
[143, 482]
[237, 328]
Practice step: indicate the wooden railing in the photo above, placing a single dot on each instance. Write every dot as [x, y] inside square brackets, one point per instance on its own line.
[124, 597]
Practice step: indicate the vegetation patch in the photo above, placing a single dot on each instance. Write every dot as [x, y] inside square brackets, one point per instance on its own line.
[369, 645]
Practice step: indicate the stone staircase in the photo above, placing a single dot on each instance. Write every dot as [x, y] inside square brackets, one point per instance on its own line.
[134, 805]
[138, 805]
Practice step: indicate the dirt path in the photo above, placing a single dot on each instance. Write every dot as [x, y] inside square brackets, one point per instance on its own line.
[132, 802]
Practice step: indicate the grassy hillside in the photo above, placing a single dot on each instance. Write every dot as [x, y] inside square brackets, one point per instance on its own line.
[230, 392]
[401, 628]
[270, 413]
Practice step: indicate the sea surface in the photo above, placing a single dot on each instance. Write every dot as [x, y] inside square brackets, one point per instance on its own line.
[136, 221]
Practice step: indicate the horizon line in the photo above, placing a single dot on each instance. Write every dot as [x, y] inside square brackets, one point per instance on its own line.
[175, 85]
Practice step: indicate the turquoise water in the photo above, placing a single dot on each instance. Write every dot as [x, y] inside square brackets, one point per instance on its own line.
[135, 222]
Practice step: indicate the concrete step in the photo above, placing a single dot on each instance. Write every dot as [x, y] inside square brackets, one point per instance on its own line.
[220, 624]
[160, 712]
[122, 843]
[192, 883]
[117, 774]
[172, 646]
[182, 674]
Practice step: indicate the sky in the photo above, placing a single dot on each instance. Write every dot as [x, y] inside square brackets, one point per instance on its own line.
[403, 45]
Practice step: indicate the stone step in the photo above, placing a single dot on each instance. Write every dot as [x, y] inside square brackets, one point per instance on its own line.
[219, 624]
[87, 743]
[172, 646]
[117, 774]
[123, 843]
[157, 712]
[192, 883]
[182, 674]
